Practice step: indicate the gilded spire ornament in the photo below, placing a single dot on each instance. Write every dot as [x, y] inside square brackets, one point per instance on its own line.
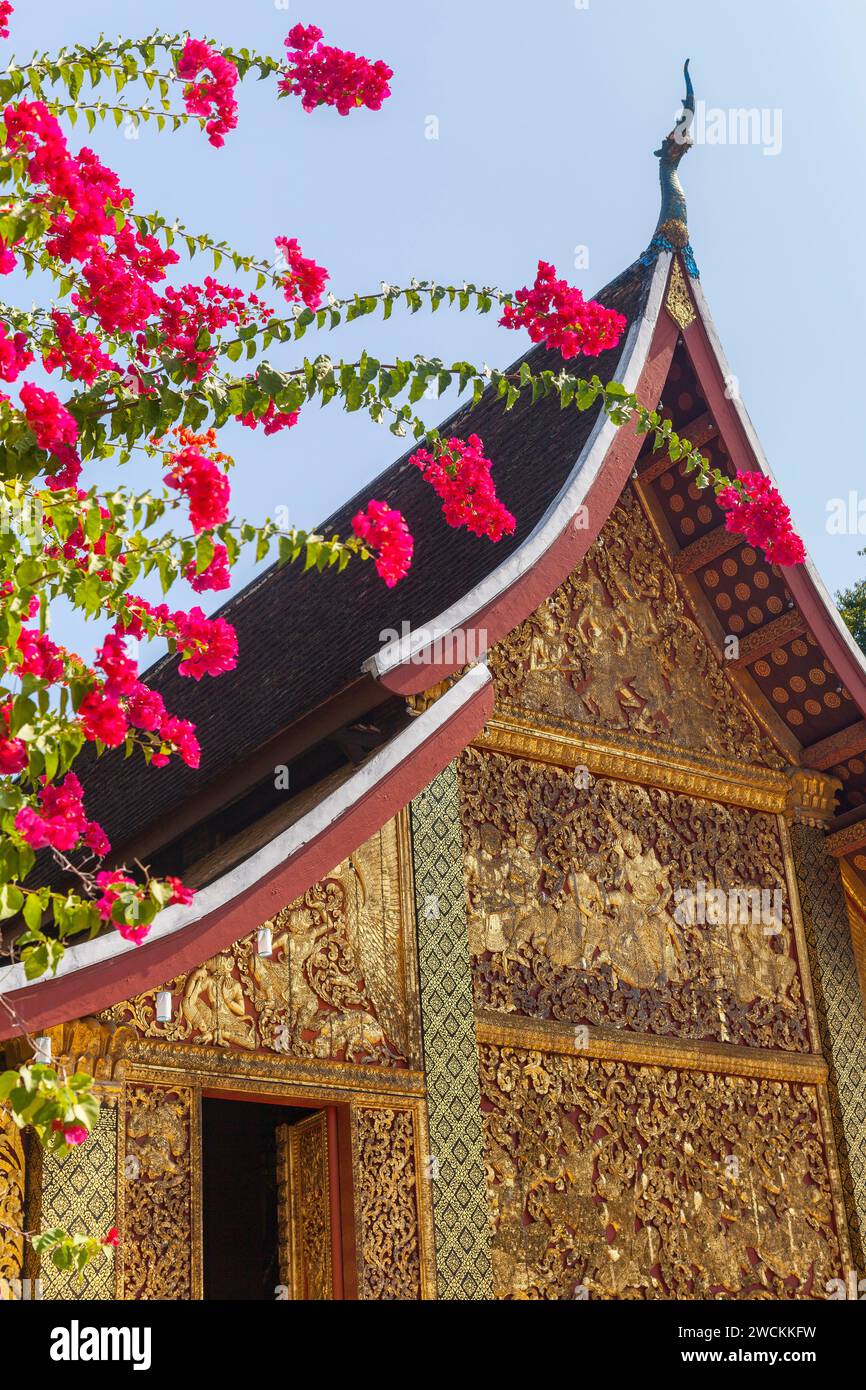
[672, 232]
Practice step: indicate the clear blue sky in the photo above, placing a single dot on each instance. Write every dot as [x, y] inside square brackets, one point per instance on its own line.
[548, 115]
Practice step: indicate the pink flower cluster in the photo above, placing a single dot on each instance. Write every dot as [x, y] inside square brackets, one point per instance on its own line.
[50, 421]
[763, 518]
[118, 265]
[213, 95]
[384, 531]
[459, 473]
[204, 485]
[556, 314]
[273, 419]
[187, 312]
[13, 751]
[5, 16]
[119, 282]
[210, 645]
[81, 182]
[61, 821]
[324, 76]
[107, 710]
[72, 1134]
[113, 882]
[14, 357]
[79, 355]
[39, 656]
[215, 576]
[306, 280]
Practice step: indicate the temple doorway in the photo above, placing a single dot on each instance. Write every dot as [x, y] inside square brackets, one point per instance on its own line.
[253, 1194]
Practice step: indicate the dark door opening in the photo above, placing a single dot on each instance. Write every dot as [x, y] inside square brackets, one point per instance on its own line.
[239, 1197]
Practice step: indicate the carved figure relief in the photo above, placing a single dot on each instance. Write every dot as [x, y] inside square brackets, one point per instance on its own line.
[615, 1180]
[599, 906]
[338, 984]
[615, 645]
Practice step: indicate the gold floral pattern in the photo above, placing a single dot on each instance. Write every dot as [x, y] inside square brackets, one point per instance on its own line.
[386, 1203]
[159, 1245]
[11, 1199]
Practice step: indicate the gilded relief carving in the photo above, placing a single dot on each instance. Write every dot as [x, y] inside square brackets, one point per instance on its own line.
[339, 983]
[616, 646]
[159, 1246]
[386, 1203]
[11, 1200]
[600, 905]
[615, 1180]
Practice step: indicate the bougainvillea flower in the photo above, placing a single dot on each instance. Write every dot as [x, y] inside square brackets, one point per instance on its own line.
[556, 314]
[762, 517]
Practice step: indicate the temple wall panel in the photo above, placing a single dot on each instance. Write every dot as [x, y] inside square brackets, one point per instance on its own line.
[328, 1022]
[160, 1173]
[657, 1117]
[458, 1187]
[618, 1180]
[609, 905]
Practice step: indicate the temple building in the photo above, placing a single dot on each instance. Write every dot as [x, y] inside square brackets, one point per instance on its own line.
[528, 953]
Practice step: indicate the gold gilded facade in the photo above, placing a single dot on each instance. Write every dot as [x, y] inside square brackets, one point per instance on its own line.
[304, 1209]
[656, 1114]
[12, 1205]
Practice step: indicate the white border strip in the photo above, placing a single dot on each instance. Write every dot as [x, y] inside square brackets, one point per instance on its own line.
[831, 611]
[561, 510]
[282, 848]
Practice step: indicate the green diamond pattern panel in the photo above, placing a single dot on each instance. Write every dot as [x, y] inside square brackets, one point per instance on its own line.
[841, 1019]
[460, 1212]
[79, 1193]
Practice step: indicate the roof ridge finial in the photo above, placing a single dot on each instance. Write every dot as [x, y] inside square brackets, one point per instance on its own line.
[672, 232]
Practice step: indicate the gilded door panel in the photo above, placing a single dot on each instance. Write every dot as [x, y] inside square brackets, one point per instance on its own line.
[159, 1180]
[304, 1208]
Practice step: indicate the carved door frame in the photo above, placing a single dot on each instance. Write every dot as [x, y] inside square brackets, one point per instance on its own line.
[366, 1127]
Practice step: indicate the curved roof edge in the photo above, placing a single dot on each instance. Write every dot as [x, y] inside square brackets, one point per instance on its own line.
[95, 974]
[805, 583]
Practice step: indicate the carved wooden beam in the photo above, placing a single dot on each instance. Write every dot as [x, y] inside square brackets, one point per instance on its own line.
[709, 547]
[827, 752]
[851, 837]
[697, 432]
[765, 639]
